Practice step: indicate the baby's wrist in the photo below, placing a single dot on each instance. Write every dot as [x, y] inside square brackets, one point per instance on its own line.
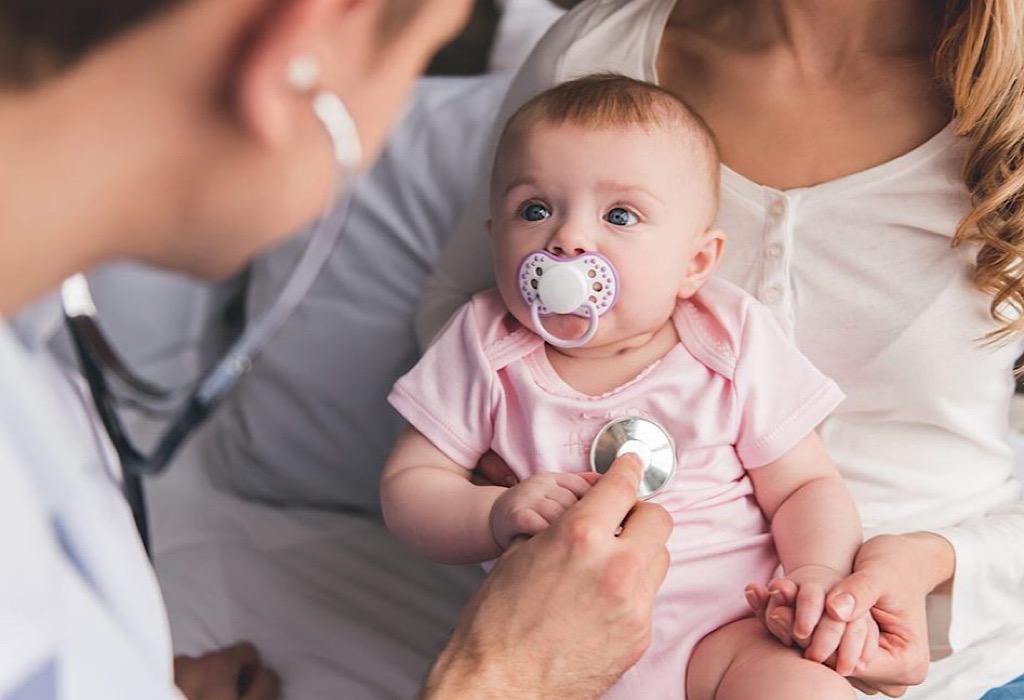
[817, 569]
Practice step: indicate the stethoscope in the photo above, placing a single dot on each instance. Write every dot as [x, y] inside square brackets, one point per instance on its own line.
[645, 438]
[197, 401]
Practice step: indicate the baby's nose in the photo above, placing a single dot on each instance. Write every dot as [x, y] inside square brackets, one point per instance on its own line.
[568, 241]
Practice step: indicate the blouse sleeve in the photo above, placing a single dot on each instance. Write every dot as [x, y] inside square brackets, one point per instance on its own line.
[781, 395]
[988, 584]
[464, 266]
[450, 395]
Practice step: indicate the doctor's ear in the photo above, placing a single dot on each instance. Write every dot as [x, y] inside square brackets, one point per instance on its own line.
[293, 49]
[703, 263]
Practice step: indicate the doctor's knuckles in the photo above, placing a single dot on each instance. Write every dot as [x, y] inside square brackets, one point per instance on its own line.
[566, 612]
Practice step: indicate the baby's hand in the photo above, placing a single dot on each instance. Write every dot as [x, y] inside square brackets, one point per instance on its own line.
[796, 611]
[535, 503]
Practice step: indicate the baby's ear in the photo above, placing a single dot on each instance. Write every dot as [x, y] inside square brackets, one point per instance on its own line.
[703, 262]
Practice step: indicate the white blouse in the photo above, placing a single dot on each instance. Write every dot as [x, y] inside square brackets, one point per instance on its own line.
[861, 273]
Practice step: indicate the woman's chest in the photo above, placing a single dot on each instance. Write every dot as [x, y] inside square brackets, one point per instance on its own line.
[781, 128]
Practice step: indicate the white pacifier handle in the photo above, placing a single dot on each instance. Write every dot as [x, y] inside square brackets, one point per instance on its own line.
[538, 326]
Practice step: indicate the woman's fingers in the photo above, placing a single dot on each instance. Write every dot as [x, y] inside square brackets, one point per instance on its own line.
[494, 470]
[265, 685]
[825, 640]
[862, 686]
[851, 647]
[853, 596]
[780, 609]
[870, 644]
[757, 599]
[780, 623]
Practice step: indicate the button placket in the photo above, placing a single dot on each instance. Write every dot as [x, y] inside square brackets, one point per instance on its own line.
[777, 238]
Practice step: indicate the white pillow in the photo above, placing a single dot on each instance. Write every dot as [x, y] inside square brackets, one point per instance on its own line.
[310, 424]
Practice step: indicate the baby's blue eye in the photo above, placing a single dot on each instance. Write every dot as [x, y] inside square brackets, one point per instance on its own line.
[535, 212]
[621, 217]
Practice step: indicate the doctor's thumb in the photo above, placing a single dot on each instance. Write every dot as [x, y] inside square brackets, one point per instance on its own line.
[852, 597]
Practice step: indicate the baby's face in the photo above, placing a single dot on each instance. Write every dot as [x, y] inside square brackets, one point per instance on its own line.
[640, 196]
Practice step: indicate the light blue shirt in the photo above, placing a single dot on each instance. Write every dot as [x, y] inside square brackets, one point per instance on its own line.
[80, 611]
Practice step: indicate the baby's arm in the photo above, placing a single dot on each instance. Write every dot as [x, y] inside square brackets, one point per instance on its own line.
[817, 533]
[814, 519]
[431, 506]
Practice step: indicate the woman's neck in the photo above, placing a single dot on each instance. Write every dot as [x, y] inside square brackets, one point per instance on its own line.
[822, 36]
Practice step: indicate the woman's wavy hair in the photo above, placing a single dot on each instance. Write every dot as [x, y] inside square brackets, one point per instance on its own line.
[980, 58]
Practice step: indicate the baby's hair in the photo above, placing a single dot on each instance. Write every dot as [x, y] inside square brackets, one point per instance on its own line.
[608, 100]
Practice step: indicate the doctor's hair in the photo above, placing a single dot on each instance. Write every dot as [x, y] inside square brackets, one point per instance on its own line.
[980, 61]
[39, 39]
[608, 100]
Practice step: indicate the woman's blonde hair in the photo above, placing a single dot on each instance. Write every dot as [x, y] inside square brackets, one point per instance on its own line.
[980, 57]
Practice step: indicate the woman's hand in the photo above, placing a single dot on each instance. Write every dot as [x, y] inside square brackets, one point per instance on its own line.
[232, 673]
[803, 591]
[845, 646]
[492, 471]
[892, 576]
[564, 613]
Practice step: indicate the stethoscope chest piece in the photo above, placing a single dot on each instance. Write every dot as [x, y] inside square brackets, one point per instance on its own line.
[643, 437]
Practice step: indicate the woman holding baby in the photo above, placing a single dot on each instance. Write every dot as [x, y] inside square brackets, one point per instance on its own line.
[871, 196]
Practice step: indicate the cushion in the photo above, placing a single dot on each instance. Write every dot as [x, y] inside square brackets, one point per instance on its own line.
[310, 424]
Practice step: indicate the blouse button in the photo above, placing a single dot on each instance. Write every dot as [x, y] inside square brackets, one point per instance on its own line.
[774, 250]
[773, 295]
[777, 208]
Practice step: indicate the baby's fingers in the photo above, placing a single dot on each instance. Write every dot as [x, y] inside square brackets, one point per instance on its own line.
[576, 484]
[810, 602]
[526, 521]
[564, 497]
[549, 509]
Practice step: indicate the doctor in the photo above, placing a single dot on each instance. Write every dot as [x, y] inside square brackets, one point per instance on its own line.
[172, 132]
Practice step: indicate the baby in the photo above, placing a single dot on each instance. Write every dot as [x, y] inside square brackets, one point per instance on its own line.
[603, 198]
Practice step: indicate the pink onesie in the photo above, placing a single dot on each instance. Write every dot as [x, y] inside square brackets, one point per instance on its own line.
[735, 394]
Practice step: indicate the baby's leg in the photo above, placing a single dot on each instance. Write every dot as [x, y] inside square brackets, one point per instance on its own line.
[742, 660]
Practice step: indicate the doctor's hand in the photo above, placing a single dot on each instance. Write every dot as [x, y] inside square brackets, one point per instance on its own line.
[232, 673]
[535, 504]
[565, 613]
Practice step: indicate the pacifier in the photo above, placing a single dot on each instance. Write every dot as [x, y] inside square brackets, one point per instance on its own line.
[585, 285]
